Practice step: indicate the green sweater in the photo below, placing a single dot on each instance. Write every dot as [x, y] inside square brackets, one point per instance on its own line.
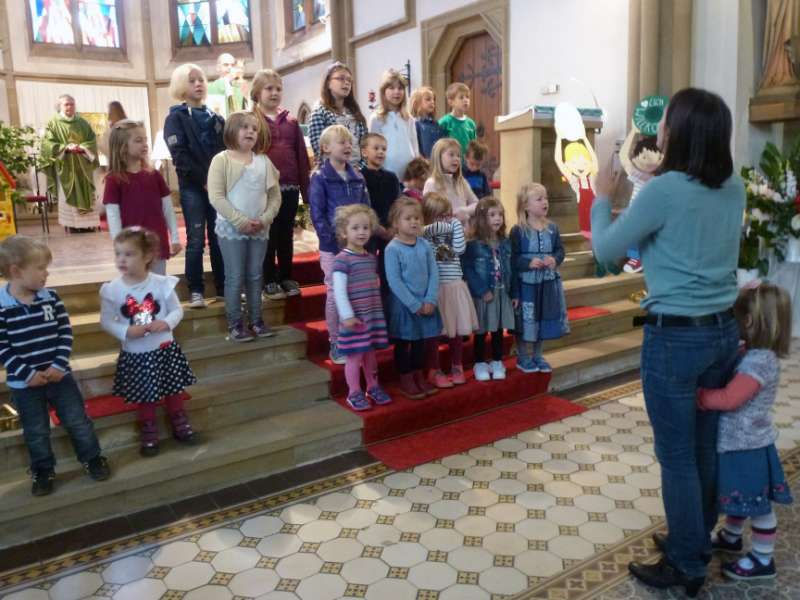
[463, 130]
[689, 240]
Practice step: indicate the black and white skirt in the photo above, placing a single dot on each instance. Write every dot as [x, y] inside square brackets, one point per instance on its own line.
[150, 376]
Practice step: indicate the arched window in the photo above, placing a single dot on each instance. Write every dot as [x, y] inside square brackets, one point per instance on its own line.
[303, 113]
[201, 29]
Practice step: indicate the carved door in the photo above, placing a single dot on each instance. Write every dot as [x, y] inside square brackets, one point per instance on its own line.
[479, 64]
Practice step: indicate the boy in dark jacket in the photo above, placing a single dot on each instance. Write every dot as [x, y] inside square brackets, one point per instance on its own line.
[476, 155]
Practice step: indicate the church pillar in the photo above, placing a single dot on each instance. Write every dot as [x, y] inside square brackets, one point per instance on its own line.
[150, 69]
[341, 15]
[8, 66]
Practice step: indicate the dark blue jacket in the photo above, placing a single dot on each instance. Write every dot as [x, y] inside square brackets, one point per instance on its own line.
[327, 192]
[182, 136]
[428, 132]
[478, 267]
[477, 181]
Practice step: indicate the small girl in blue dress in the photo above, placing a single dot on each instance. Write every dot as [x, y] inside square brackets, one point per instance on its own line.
[413, 279]
[750, 477]
[536, 253]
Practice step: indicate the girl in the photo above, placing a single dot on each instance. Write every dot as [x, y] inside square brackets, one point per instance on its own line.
[194, 136]
[446, 179]
[750, 476]
[337, 106]
[244, 190]
[281, 138]
[417, 171]
[578, 164]
[136, 194]
[423, 109]
[336, 183]
[446, 235]
[487, 267]
[141, 310]
[413, 280]
[362, 326]
[392, 120]
[536, 252]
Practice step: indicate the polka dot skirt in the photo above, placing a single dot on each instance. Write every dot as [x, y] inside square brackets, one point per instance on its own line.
[149, 376]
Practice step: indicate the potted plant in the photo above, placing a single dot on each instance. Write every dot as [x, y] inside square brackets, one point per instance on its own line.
[16, 144]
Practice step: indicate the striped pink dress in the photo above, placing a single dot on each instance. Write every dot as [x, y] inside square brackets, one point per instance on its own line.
[364, 293]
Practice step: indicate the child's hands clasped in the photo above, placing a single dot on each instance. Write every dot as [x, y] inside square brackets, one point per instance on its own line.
[175, 248]
[352, 322]
[536, 263]
[549, 262]
[251, 227]
[139, 331]
[157, 326]
[426, 309]
[53, 375]
[38, 380]
[488, 297]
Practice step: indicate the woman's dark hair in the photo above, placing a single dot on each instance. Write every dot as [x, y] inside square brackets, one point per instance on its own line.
[698, 137]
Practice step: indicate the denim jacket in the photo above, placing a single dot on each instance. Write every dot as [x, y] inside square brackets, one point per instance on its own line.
[428, 133]
[327, 192]
[478, 267]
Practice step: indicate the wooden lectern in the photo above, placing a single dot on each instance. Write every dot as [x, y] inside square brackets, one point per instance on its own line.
[527, 144]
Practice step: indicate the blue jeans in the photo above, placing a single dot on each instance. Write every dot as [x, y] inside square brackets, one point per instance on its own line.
[66, 398]
[200, 218]
[244, 265]
[675, 362]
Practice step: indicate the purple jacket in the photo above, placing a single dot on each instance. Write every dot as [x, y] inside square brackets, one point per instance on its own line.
[327, 192]
[287, 149]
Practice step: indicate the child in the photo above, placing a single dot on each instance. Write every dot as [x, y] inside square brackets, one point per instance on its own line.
[423, 109]
[282, 139]
[456, 124]
[750, 476]
[446, 235]
[487, 267]
[141, 309]
[392, 120]
[337, 106]
[362, 326]
[477, 180]
[35, 344]
[136, 194]
[244, 190]
[446, 179]
[382, 185]
[640, 165]
[417, 171]
[194, 136]
[536, 252]
[334, 184]
[413, 291]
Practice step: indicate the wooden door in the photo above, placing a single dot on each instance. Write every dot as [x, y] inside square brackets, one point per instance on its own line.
[479, 64]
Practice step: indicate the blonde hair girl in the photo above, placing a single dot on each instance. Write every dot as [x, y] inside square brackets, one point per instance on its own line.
[391, 119]
[423, 109]
[136, 195]
[528, 190]
[446, 178]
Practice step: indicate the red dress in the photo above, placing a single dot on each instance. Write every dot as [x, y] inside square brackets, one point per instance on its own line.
[585, 200]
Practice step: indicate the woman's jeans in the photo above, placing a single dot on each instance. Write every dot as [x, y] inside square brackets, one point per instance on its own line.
[200, 218]
[244, 263]
[675, 362]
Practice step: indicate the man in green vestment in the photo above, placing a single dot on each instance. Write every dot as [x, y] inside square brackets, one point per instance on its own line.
[70, 147]
[227, 87]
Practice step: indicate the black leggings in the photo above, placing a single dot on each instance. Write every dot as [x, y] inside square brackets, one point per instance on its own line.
[497, 346]
[281, 240]
[409, 356]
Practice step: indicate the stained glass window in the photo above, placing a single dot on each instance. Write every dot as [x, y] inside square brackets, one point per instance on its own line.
[298, 15]
[194, 23]
[98, 22]
[319, 9]
[233, 21]
[51, 21]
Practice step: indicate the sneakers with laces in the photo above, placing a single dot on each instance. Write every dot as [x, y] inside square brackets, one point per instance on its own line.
[378, 395]
[272, 291]
[261, 329]
[544, 366]
[498, 369]
[196, 300]
[440, 380]
[98, 468]
[634, 265]
[526, 364]
[482, 372]
[239, 333]
[42, 482]
[457, 375]
[358, 401]
[336, 357]
[291, 287]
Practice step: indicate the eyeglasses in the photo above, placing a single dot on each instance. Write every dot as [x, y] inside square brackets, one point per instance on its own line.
[343, 79]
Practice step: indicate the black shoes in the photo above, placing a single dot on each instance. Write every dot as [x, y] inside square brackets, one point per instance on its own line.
[98, 468]
[663, 575]
[660, 540]
[42, 482]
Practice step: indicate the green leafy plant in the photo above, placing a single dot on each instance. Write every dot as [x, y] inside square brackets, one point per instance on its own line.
[16, 144]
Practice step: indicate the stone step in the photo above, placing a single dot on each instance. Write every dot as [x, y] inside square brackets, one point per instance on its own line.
[577, 265]
[593, 291]
[216, 402]
[575, 242]
[225, 457]
[619, 320]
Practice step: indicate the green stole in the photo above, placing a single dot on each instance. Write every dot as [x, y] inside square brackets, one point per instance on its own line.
[74, 171]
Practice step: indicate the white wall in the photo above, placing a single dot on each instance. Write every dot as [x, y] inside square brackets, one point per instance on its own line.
[284, 53]
[583, 47]
[303, 86]
[366, 18]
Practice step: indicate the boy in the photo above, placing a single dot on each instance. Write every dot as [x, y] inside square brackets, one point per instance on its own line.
[35, 344]
[382, 185]
[417, 171]
[476, 154]
[457, 124]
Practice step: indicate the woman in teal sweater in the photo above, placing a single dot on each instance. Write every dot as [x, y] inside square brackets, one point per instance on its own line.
[687, 221]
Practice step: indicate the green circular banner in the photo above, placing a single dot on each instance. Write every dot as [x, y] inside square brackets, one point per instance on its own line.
[648, 113]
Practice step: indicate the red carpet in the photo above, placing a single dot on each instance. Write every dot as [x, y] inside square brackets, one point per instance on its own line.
[452, 438]
[105, 406]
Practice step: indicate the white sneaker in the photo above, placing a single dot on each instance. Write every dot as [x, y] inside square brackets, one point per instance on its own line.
[196, 300]
[481, 371]
[498, 369]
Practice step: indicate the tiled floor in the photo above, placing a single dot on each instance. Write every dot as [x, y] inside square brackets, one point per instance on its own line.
[580, 497]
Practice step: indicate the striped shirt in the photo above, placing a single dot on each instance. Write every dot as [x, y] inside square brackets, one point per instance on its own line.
[447, 239]
[33, 336]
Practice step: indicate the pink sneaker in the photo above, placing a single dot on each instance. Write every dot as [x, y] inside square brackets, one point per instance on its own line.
[457, 375]
[440, 380]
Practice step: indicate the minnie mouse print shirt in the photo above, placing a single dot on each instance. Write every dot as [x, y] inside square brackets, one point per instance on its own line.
[152, 299]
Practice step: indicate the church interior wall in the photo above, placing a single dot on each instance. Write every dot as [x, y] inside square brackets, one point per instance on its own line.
[366, 19]
[303, 86]
[284, 52]
[4, 114]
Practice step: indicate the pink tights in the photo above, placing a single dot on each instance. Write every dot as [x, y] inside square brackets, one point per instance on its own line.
[352, 370]
[146, 411]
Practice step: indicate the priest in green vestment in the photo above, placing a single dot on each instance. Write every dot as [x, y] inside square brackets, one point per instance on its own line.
[70, 148]
[225, 94]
